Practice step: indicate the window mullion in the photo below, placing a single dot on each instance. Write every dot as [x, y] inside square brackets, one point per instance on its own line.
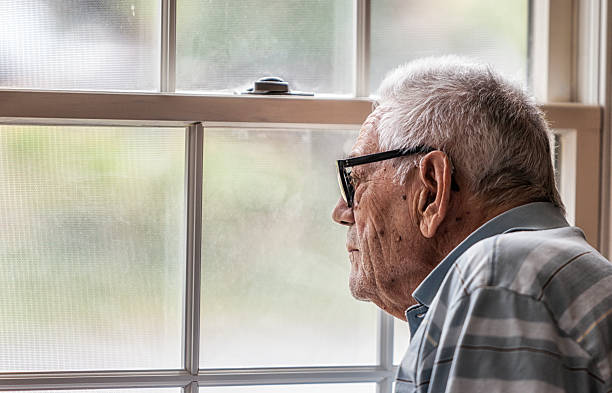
[191, 388]
[385, 386]
[385, 349]
[292, 375]
[94, 379]
[168, 46]
[362, 49]
[191, 334]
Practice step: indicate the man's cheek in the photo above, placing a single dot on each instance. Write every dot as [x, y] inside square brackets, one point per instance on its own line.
[374, 250]
[368, 255]
[379, 236]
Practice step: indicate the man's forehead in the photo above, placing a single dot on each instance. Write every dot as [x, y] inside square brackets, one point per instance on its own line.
[367, 141]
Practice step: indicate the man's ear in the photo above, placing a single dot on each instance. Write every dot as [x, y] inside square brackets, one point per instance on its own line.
[435, 177]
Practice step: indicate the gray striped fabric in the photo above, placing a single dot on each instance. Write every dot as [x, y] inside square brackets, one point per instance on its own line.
[525, 306]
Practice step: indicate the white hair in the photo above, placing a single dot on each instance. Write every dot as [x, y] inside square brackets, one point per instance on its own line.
[490, 128]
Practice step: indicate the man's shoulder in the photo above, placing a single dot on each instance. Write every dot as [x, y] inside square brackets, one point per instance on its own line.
[532, 263]
[546, 264]
[552, 275]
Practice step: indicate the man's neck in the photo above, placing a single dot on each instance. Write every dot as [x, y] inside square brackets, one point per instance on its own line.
[469, 215]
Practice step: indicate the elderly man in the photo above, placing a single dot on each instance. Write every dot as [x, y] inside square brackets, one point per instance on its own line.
[455, 225]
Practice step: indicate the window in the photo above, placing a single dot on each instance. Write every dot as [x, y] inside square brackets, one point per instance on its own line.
[495, 32]
[80, 45]
[182, 241]
[263, 189]
[225, 46]
[92, 248]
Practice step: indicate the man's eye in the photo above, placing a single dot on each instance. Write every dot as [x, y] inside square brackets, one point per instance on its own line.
[354, 179]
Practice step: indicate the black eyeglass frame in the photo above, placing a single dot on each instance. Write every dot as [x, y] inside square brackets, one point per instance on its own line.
[344, 179]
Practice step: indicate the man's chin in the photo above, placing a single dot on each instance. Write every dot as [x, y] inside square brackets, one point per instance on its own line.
[358, 291]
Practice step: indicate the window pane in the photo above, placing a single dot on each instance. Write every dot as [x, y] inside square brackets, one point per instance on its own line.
[311, 388]
[91, 247]
[226, 45]
[80, 44]
[274, 265]
[490, 31]
[401, 339]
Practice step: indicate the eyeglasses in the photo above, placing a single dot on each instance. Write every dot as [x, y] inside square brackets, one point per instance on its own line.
[346, 182]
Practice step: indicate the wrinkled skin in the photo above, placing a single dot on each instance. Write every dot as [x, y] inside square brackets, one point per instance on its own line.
[397, 233]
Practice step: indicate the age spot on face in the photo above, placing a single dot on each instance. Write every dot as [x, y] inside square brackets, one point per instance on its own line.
[404, 197]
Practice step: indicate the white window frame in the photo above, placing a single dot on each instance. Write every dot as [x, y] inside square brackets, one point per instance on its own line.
[194, 113]
[580, 126]
[568, 72]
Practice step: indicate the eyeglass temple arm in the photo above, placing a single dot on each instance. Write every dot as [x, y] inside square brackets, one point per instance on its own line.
[383, 156]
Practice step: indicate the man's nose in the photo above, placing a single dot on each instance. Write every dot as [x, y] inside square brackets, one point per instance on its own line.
[343, 214]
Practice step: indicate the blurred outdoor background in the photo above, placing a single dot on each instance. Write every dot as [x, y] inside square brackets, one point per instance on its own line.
[92, 228]
[91, 247]
[274, 266]
[226, 45]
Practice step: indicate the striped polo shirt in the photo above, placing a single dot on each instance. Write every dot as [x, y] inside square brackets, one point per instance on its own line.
[523, 304]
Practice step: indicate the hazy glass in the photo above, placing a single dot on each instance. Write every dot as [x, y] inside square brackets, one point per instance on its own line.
[401, 339]
[274, 265]
[226, 45]
[80, 44]
[91, 247]
[495, 32]
[311, 388]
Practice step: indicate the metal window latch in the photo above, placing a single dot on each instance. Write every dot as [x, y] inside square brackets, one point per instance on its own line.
[271, 85]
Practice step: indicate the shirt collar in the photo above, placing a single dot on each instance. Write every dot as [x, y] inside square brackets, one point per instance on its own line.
[530, 217]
